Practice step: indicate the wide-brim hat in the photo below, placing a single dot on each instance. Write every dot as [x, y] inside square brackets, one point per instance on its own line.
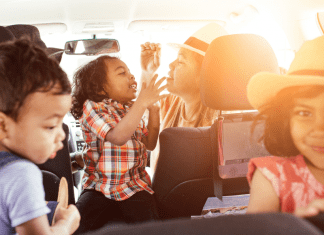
[306, 69]
[201, 39]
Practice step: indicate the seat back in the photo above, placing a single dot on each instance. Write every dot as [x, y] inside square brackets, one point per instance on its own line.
[189, 165]
[61, 165]
[183, 171]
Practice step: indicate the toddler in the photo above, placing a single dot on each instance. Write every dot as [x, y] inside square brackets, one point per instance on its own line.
[115, 182]
[34, 97]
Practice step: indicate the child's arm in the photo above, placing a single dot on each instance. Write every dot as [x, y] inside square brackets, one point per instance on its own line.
[67, 222]
[149, 95]
[153, 127]
[263, 197]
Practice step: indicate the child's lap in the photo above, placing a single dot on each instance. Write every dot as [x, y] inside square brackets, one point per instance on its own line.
[96, 210]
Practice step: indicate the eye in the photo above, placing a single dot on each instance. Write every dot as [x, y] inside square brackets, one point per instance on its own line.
[50, 128]
[303, 113]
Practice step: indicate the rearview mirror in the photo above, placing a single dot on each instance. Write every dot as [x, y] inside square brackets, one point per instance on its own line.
[91, 46]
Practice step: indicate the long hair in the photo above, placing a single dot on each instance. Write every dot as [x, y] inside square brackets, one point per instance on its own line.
[89, 81]
[276, 113]
[206, 113]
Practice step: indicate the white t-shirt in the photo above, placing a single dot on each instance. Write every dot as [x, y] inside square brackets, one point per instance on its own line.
[22, 196]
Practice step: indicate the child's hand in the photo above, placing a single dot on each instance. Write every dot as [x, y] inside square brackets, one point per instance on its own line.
[71, 216]
[312, 209]
[150, 57]
[150, 93]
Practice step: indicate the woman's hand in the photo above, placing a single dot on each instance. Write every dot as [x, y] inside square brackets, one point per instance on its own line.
[312, 209]
[150, 57]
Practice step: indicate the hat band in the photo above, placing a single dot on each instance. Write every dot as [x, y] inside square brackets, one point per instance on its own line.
[196, 43]
[313, 72]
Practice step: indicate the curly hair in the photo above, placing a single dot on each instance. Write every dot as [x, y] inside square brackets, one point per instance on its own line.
[276, 136]
[24, 69]
[89, 83]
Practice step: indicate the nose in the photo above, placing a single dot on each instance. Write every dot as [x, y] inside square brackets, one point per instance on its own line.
[320, 123]
[61, 134]
[172, 65]
[132, 77]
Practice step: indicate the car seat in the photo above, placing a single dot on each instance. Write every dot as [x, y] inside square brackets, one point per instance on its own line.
[61, 167]
[188, 170]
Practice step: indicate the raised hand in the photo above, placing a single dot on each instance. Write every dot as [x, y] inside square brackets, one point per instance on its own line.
[150, 57]
[150, 93]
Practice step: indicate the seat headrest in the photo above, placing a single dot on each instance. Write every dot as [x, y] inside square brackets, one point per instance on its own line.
[31, 31]
[6, 35]
[229, 63]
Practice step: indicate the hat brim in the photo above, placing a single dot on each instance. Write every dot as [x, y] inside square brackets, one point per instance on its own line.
[264, 86]
[178, 46]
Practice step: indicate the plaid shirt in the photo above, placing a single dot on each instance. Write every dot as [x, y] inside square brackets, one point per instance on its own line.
[116, 171]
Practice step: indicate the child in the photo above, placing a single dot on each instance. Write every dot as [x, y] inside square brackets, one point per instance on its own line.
[115, 180]
[34, 97]
[293, 107]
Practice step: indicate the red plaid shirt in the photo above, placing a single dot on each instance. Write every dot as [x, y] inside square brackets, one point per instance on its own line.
[116, 171]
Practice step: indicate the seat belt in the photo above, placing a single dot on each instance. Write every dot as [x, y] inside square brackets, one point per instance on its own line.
[217, 152]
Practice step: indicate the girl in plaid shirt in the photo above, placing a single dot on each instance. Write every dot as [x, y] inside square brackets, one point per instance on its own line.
[115, 183]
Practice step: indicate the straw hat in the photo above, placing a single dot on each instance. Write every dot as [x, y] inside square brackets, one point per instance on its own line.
[307, 68]
[201, 39]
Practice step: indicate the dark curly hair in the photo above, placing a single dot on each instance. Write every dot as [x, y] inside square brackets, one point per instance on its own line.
[24, 69]
[89, 83]
[276, 136]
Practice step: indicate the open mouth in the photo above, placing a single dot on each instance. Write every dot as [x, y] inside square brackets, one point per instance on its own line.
[53, 155]
[133, 86]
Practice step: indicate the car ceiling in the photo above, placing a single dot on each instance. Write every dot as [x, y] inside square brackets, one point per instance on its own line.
[74, 14]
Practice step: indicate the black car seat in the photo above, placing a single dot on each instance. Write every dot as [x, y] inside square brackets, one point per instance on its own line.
[61, 167]
[187, 171]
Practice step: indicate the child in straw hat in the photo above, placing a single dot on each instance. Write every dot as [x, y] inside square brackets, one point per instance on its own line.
[34, 98]
[293, 107]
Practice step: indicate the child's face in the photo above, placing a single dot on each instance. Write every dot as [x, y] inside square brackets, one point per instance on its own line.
[121, 84]
[307, 128]
[37, 134]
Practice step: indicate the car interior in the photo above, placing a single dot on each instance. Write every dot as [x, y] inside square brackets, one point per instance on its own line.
[194, 163]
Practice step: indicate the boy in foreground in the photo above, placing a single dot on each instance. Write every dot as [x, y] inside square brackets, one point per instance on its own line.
[34, 98]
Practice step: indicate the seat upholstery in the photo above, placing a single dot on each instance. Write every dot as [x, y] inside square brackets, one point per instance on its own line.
[61, 165]
[187, 171]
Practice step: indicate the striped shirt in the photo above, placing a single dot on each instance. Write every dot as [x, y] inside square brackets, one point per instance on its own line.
[116, 171]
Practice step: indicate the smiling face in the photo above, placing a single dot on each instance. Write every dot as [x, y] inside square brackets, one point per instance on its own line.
[37, 134]
[184, 73]
[307, 128]
[121, 84]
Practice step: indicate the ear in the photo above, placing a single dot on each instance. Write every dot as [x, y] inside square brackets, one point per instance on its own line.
[4, 122]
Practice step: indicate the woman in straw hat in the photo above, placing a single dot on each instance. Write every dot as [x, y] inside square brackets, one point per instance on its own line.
[293, 108]
[183, 108]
